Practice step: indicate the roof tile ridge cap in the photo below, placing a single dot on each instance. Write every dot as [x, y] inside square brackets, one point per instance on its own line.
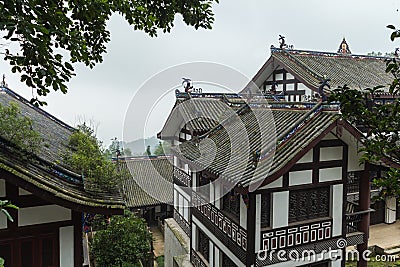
[310, 71]
[41, 111]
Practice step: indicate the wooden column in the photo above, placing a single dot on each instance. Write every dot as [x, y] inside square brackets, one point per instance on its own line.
[364, 202]
[78, 244]
[251, 230]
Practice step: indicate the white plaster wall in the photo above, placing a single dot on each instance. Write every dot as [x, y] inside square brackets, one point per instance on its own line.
[280, 209]
[66, 246]
[279, 76]
[300, 177]
[289, 76]
[330, 174]
[353, 159]
[217, 195]
[212, 193]
[275, 184]
[23, 192]
[42, 214]
[194, 236]
[330, 153]
[290, 87]
[329, 136]
[243, 214]
[176, 201]
[211, 250]
[180, 207]
[216, 257]
[308, 157]
[258, 222]
[218, 243]
[337, 209]
[2, 188]
[301, 86]
[3, 221]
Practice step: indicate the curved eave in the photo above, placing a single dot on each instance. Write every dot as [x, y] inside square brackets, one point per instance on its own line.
[54, 190]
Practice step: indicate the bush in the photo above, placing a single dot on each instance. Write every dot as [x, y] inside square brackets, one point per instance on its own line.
[125, 240]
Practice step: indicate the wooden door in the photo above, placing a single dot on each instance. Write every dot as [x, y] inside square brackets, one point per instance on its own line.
[31, 251]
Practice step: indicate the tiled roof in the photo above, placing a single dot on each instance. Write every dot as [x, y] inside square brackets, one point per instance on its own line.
[357, 71]
[145, 171]
[42, 171]
[200, 115]
[291, 129]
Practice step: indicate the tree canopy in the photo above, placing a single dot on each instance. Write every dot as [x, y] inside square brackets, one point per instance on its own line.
[45, 31]
[125, 240]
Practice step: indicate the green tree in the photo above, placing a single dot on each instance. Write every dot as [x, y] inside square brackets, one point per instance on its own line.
[86, 156]
[125, 240]
[45, 30]
[162, 149]
[18, 129]
[380, 121]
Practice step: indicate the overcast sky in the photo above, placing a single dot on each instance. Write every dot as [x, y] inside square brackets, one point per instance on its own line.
[241, 37]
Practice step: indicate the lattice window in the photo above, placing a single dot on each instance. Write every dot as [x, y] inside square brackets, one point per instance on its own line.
[309, 204]
[204, 245]
[231, 204]
[265, 209]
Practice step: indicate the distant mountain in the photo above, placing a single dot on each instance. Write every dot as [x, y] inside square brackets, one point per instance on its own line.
[138, 147]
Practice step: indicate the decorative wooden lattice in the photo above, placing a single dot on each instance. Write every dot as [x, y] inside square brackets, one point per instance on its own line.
[288, 237]
[308, 204]
[181, 177]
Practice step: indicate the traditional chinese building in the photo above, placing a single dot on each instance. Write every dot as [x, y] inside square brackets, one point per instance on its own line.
[47, 228]
[153, 205]
[291, 198]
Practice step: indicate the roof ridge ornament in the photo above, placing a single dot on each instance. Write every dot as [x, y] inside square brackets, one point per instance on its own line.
[344, 48]
[283, 44]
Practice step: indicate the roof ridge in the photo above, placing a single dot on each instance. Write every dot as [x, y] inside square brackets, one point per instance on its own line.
[325, 53]
[41, 111]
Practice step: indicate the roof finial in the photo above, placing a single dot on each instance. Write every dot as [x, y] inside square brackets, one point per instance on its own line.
[344, 47]
[3, 82]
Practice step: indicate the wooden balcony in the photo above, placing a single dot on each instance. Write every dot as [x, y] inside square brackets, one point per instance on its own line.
[227, 231]
[182, 222]
[182, 178]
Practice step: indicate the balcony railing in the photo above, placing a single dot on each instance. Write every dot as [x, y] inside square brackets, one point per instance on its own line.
[296, 235]
[182, 177]
[197, 259]
[182, 222]
[228, 232]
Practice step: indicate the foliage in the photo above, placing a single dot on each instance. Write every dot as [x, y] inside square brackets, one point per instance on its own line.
[380, 121]
[390, 184]
[163, 148]
[6, 204]
[86, 156]
[160, 261]
[115, 149]
[17, 129]
[125, 240]
[45, 30]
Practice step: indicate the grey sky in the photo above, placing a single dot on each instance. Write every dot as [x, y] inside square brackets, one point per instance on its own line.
[241, 37]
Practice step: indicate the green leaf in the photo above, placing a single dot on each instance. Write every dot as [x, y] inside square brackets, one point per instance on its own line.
[8, 215]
